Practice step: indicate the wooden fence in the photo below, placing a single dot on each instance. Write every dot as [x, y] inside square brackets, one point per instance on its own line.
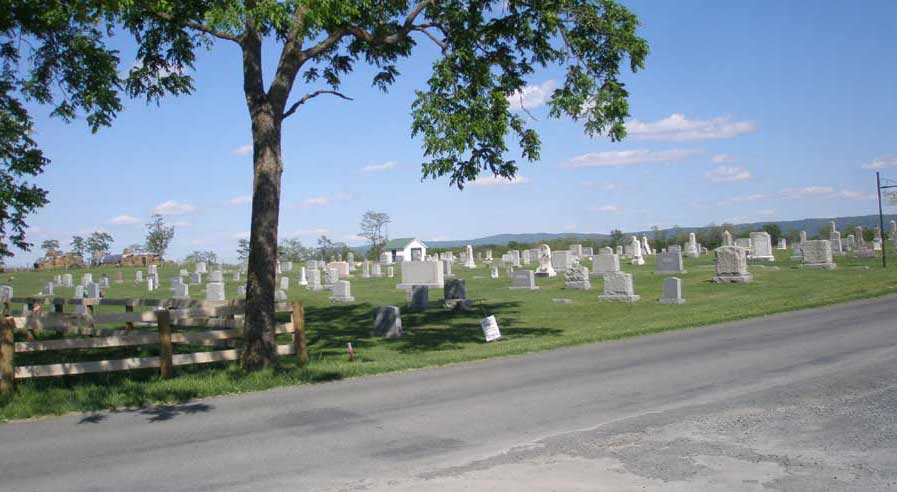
[222, 321]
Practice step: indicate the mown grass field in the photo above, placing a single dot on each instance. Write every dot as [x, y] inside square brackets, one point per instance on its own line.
[529, 320]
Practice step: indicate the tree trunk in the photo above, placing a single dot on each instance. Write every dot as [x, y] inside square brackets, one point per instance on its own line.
[260, 351]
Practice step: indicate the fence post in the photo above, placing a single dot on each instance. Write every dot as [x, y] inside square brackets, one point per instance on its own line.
[163, 317]
[129, 308]
[7, 356]
[299, 333]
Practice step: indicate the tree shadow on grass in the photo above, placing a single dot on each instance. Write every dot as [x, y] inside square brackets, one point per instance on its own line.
[435, 329]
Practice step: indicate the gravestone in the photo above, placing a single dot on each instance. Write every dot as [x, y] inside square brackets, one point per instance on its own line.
[241, 291]
[215, 291]
[618, 287]
[454, 295]
[200, 267]
[691, 248]
[468, 258]
[447, 268]
[525, 257]
[490, 328]
[561, 260]
[376, 270]
[636, 247]
[280, 296]
[727, 238]
[783, 244]
[859, 238]
[67, 280]
[515, 258]
[427, 273]
[154, 270]
[181, 291]
[668, 263]
[216, 276]
[761, 246]
[744, 243]
[577, 278]
[672, 291]
[365, 269]
[387, 322]
[196, 278]
[48, 289]
[620, 250]
[6, 293]
[390, 272]
[314, 279]
[93, 290]
[79, 292]
[545, 267]
[286, 266]
[285, 283]
[104, 282]
[151, 283]
[488, 255]
[731, 265]
[605, 262]
[494, 273]
[183, 273]
[818, 254]
[385, 258]
[350, 259]
[418, 297]
[342, 291]
[646, 247]
[576, 250]
[851, 242]
[118, 277]
[236, 276]
[86, 278]
[342, 268]
[303, 277]
[835, 238]
[523, 280]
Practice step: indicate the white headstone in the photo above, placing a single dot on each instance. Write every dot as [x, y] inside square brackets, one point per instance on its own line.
[428, 273]
[545, 267]
[215, 291]
[672, 291]
[468, 261]
[618, 287]
[490, 328]
[342, 291]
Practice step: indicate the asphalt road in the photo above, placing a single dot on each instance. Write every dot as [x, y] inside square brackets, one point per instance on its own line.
[805, 401]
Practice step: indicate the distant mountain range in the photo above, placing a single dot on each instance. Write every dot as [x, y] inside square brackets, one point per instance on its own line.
[787, 226]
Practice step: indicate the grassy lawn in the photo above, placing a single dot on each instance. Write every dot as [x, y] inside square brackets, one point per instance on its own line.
[529, 320]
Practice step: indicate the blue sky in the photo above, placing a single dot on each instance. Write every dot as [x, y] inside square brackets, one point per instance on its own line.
[746, 111]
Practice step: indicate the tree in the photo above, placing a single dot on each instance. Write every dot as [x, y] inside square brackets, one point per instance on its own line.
[136, 248]
[487, 49]
[292, 250]
[242, 249]
[326, 247]
[208, 257]
[372, 229]
[79, 245]
[774, 231]
[616, 237]
[50, 246]
[51, 53]
[98, 244]
[158, 235]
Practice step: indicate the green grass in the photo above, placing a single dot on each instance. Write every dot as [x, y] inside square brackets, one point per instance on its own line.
[530, 321]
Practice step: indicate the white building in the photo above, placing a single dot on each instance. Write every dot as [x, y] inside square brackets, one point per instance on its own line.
[406, 249]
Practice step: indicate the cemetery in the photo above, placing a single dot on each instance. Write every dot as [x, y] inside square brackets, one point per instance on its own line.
[420, 316]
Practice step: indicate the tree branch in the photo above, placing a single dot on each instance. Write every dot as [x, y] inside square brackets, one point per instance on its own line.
[310, 95]
[198, 26]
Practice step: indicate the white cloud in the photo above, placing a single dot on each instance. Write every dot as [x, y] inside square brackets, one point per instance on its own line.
[678, 128]
[174, 208]
[319, 201]
[499, 181]
[532, 96]
[882, 163]
[727, 174]
[320, 231]
[124, 220]
[240, 200]
[380, 167]
[242, 150]
[803, 193]
[603, 186]
[720, 158]
[608, 209]
[629, 157]
[242, 235]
